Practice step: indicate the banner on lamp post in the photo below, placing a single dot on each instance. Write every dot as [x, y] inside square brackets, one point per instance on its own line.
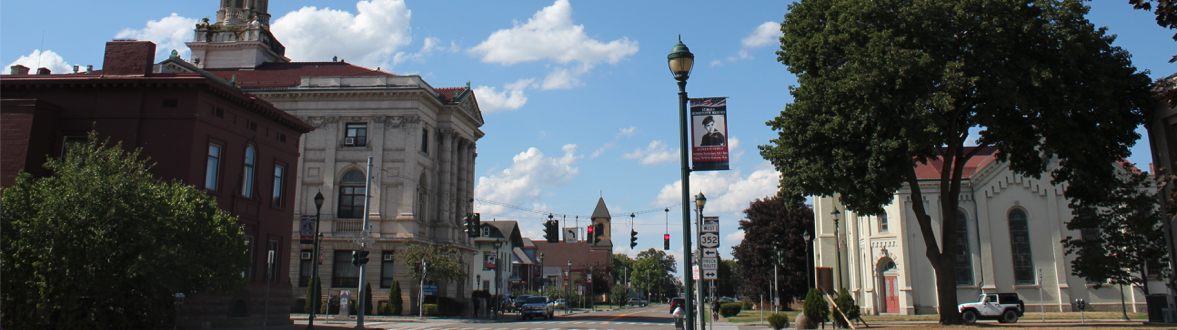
[307, 234]
[709, 134]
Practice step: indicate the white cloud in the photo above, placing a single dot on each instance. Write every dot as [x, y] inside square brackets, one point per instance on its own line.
[370, 38]
[430, 45]
[765, 34]
[627, 132]
[734, 238]
[525, 180]
[622, 133]
[728, 192]
[551, 35]
[600, 151]
[655, 153]
[490, 100]
[168, 33]
[42, 59]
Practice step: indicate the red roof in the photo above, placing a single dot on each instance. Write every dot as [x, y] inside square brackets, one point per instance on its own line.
[450, 93]
[290, 74]
[931, 170]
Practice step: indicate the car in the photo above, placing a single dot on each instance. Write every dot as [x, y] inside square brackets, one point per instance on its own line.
[537, 306]
[519, 300]
[637, 302]
[676, 303]
[1003, 307]
[560, 303]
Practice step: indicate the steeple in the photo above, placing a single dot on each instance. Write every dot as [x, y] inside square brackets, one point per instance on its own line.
[240, 37]
[602, 224]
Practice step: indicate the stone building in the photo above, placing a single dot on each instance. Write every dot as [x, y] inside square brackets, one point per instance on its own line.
[1009, 242]
[422, 141]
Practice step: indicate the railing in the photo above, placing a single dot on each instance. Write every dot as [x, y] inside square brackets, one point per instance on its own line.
[348, 226]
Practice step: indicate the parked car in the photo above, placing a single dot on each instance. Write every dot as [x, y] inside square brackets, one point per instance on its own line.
[1003, 307]
[519, 300]
[637, 302]
[560, 303]
[537, 306]
[676, 303]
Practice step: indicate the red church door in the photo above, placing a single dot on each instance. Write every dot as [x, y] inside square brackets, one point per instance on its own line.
[889, 296]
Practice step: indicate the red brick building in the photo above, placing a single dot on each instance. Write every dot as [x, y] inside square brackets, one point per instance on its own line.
[197, 128]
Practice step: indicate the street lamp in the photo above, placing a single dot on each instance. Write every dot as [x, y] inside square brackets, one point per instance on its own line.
[680, 61]
[700, 201]
[315, 263]
[568, 289]
[542, 281]
[808, 280]
[837, 248]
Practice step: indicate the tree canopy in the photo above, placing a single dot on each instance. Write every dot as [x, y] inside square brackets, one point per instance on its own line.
[773, 226]
[884, 85]
[444, 262]
[102, 243]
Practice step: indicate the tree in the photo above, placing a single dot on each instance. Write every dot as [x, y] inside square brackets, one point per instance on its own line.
[367, 298]
[314, 295]
[728, 284]
[847, 306]
[816, 309]
[1166, 11]
[622, 266]
[1122, 240]
[396, 305]
[104, 243]
[444, 262]
[618, 294]
[884, 85]
[773, 227]
[652, 273]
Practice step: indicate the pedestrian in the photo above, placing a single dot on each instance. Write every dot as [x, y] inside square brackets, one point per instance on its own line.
[715, 309]
[476, 306]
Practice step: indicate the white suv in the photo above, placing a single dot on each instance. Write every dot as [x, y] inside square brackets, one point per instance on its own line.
[1003, 307]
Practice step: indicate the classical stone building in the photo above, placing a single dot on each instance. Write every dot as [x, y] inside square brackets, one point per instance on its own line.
[422, 141]
[1009, 242]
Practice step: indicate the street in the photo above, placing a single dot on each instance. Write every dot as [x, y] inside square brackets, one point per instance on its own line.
[639, 318]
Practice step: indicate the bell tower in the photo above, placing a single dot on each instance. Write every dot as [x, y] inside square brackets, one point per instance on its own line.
[240, 38]
[602, 226]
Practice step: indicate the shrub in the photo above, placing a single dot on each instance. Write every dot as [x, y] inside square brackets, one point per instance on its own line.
[314, 294]
[847, 306]
[367, 298]
[449, 307]
[395, 304]
[747, 303]
[778, 321]
[431, 309]
[730, 309]
[816, 309]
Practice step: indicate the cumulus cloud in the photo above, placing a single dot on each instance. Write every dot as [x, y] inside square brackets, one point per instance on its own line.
[654, 153]
[550, 35]
[370, 38]
[491, 100]
[167, 33]
[628, 132]
[42, 59]
[728, 192]
[623, 133]
[765, 34]
[733, 239]
[525, 180]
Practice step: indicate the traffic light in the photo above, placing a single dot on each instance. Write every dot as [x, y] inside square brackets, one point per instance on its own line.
[469, 221]
[363, 257]
[355, 258]
[633, 239]
[591, 238]
[473, 224]
[665, 242]
[552, 231]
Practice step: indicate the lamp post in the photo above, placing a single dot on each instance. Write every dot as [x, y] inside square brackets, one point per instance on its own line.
[808, 280]
[700, 201]
[568, 289]
[498, 270]
[837, 249]
[681, 60]
[315, 263]
[542, 281]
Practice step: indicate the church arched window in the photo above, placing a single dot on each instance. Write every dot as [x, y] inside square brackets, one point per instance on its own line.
[1019, 240]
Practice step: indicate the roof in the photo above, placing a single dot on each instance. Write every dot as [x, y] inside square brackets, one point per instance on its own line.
[601, 211]
[931, 170]
[290, 74]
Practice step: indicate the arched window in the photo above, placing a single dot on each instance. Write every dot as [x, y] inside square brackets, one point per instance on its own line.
[422, 198]
[964, 258]
[247, 177]
[1019, 240]
[351, 195]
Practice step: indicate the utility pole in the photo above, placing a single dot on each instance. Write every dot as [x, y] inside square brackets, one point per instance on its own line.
[365, 236]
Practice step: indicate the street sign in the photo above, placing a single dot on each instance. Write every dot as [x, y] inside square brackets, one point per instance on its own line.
[709, 240]
[710, 264]
[710, 275]
[710, 225]
[430, 289]
[695, 272]
[710, 253]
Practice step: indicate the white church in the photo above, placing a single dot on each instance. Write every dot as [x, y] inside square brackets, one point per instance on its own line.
[1010, 242]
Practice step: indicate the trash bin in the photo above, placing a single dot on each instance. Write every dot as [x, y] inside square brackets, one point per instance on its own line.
[1157, 302]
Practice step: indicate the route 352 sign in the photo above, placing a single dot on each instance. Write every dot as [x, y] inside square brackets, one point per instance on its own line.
[709, 240]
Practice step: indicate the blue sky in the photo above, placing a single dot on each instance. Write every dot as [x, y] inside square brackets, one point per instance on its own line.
[577, 97]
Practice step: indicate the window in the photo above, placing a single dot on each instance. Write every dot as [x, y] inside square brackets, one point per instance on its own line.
[485, 231]
[485, 285]
[212, 170]
[279, 173]
[305, 267]
[1019, 238]
[356, 135]
[272, 265]
[883, 223]
[964, 259]
[351, 195]
[251, 125]
[386, 271]
[345, 275]
[425, 140]
[247, 177]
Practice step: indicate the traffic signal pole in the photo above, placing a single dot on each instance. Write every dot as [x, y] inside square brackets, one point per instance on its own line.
[363, 256]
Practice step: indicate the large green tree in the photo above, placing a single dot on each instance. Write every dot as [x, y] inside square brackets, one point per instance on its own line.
[443, 262]
[652, 273]
[774, 229]
[1122, 241]
[884, 85]
[102, 243]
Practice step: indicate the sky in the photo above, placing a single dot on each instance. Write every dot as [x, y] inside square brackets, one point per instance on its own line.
[578, 101]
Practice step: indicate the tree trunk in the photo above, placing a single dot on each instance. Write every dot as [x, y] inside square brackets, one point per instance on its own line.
[946, 291]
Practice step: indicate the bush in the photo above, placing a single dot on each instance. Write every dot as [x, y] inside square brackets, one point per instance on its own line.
[778, 321]
[730, 309]
[314, 295]
[431, 309]
[747, 303]
[395, 304]
[816, 309]
[847, 306]
[367, 298]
